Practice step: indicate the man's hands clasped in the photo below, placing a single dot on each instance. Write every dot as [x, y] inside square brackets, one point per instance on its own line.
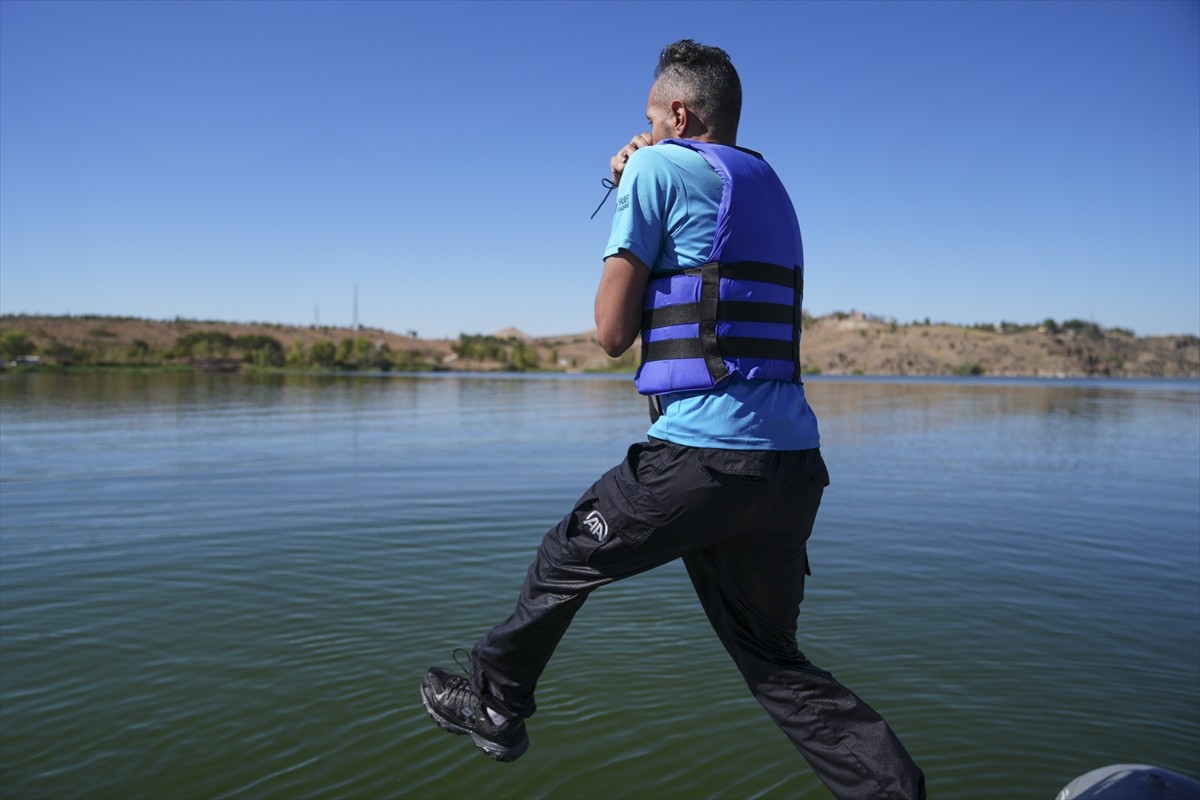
[618, 161]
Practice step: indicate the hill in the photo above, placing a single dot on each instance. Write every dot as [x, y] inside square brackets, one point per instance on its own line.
[839, 344]
[858, 345]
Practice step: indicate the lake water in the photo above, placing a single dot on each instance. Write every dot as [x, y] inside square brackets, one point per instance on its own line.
[229, 586]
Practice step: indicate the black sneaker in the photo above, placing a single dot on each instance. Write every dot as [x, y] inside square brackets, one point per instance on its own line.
[456, 708]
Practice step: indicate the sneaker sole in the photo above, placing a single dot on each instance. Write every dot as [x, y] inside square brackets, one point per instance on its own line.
[491, 749]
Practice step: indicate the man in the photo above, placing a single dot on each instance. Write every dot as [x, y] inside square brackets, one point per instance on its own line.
[705, 262]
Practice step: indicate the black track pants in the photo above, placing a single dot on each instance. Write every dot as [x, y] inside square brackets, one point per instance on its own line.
[740, 520]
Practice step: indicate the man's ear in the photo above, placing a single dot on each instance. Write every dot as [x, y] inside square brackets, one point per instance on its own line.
[679, 117]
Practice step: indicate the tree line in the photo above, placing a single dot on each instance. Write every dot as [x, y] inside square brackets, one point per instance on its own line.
[511, 351]
[102, 347]
[256, 350]
[260, 350]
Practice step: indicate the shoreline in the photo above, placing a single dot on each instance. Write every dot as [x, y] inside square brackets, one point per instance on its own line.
[835, 345]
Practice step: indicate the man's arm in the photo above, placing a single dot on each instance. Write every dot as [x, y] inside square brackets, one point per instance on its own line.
[619, 298]
[619, 301]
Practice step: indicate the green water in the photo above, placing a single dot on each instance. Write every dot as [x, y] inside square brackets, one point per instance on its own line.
[225, 586]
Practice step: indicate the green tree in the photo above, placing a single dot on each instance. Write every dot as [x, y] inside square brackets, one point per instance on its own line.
[63, 354]
[265, 351]
[138, 351]
[363, 350]
[480, 347]
[203, 344]
[523, 356]
[15, 344]
[1083, 327]
[323, 353]
[382, 358]
[345, 353]
[295, 356]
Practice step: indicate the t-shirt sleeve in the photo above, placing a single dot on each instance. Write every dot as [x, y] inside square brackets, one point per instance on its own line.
[639, 222]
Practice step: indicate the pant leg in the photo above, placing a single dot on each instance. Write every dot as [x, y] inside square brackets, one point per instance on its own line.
[656, 506]
[751, 587]
[508, 661]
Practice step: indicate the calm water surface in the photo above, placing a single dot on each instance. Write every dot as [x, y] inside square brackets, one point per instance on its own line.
[229, 586]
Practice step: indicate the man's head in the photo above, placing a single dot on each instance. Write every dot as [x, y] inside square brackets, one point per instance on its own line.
[696, 94]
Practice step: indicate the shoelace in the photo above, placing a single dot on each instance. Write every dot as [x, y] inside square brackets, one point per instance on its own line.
[458, 687]
[458, 693]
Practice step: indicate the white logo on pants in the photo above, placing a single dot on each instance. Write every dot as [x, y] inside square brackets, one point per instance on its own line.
[596, 525]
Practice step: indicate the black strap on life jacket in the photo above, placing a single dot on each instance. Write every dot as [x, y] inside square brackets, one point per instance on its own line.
[710, 310]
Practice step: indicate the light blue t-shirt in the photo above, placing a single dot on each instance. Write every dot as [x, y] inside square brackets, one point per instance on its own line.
[666, 215]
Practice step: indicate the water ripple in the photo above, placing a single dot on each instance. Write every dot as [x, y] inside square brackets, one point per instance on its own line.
[230, 589]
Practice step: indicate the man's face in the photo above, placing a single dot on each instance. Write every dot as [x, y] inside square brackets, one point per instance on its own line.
[658, 114]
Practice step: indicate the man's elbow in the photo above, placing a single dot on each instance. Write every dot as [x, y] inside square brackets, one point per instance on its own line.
[614, 343]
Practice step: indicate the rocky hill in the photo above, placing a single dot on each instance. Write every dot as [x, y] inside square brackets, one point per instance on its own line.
[840, 344]
[862, 346]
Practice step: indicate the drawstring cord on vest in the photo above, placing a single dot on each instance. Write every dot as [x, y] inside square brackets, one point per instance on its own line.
[606, 183]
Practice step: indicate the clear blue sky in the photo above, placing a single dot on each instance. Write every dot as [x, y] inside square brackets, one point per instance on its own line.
[964, 161]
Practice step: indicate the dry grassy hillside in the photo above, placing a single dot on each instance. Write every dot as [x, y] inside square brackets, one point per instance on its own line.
[162, 334]
[860, 346]
[109, 340]
[835, 345]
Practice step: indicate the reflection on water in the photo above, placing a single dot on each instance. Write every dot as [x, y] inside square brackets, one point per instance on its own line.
[228, 586]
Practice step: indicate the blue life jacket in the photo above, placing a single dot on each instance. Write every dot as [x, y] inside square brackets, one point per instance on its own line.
[738, 316]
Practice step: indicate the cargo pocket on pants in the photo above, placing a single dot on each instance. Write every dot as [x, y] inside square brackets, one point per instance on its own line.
[615, 513]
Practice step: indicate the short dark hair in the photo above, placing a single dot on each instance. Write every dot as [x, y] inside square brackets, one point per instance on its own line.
[704, 78]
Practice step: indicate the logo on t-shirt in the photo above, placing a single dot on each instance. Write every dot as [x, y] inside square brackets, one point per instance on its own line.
[622, 202]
